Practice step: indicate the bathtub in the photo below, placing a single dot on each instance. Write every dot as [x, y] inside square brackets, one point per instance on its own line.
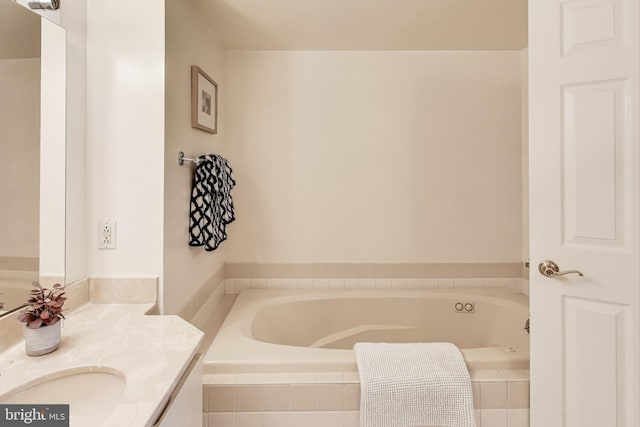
[275, 331]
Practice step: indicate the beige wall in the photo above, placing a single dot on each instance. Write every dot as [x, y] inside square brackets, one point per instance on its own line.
[20, 152]
[375, 156]
[190, 40]
[525, 152]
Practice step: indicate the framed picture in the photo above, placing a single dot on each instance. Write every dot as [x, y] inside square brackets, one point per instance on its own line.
[204, 101]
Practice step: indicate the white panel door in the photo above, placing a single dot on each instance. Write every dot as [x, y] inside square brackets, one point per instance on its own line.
[585, 215]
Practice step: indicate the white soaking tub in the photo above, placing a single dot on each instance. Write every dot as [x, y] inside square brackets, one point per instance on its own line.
[290, 331]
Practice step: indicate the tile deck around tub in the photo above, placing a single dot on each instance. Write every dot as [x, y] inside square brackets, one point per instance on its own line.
[501, 399]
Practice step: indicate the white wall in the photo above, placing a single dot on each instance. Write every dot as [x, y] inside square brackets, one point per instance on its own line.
[20, 151]
[125, 134]
[74, 21]
[190, 40]
[52, 153]
[375, 156]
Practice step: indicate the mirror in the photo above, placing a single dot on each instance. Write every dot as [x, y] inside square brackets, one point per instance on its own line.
[32, 151]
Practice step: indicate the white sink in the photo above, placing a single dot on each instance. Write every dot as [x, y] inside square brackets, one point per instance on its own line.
[91, 395]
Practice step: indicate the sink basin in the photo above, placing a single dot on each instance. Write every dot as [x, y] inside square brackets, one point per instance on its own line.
[91, 395]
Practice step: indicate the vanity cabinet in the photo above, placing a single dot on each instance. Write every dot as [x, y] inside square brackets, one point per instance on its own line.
[184, 407]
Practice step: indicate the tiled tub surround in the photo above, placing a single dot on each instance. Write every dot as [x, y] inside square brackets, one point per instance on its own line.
[328, 399]
[332, 399]
[412, 276]
[151, 352]
[204, 300]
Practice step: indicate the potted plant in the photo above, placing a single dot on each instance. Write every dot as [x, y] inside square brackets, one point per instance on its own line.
[42, 317]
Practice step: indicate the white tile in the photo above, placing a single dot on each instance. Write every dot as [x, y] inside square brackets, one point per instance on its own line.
[221, 419]
[317, 419]
[515, 375]
[274, 283]
[248, 419]
[415, 283]
[383, 283]
[276, 419]
[461, 282]
[241, 284]
[352, 419]
[290, 283]
[305, 284]
[304, 397]
[330, 377]
[229, 286]
[336, 284]
[486, 375]
[219, 379]
[477, 413]
[248, 398]
[258, 283]
[493, 282]
[252, 379]
[432, 282]
[329, 419]
[476, 282]
[274, 378]
[367, 283]
[330, 397]
[494, 418]
[518, 395]
[518, 286]
[301, 419]
[510, 283]
[304, 378]
[351, 377]
[518, 417]
[351, 284]
[220, 398]
[321, 284]
[399, 284]
[445, 282]
[276, 397]
[494, 395]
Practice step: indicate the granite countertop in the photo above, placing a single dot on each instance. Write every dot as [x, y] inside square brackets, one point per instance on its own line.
[151, 351]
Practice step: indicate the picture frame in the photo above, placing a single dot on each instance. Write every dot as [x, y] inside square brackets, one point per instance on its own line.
[204, 101]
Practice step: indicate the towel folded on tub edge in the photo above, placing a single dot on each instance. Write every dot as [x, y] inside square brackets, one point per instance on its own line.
[416, 384]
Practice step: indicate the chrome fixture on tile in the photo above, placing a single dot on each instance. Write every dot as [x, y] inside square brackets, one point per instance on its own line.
[550, 269]
[182, 159]
[44, 4]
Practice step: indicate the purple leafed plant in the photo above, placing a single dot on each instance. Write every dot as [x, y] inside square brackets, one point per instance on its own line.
[44, 306]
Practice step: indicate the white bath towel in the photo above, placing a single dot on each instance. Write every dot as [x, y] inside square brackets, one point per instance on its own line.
[417, 384]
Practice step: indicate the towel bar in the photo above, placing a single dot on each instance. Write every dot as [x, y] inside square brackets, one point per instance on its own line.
[182, 159]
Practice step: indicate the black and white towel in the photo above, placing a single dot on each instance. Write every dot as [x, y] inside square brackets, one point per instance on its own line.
[211, 202]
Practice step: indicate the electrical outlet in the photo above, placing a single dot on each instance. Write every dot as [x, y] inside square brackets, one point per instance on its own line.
[107, 234]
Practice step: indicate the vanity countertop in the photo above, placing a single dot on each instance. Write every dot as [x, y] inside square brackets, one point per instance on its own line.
[151, 351]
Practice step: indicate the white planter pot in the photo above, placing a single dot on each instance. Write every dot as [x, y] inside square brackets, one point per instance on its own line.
[42, 340]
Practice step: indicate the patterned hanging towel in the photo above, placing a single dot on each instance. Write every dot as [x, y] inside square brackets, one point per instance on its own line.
[211, 202]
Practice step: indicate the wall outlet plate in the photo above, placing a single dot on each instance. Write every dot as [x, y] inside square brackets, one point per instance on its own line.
[107, 234]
